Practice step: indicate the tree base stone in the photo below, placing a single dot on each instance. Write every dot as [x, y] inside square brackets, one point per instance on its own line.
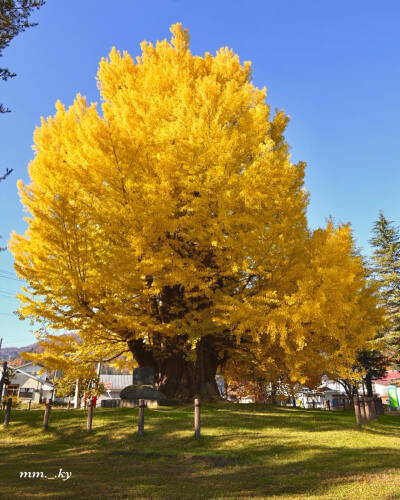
[131, 394]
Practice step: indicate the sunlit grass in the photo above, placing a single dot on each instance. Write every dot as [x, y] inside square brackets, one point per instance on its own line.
[245, 451]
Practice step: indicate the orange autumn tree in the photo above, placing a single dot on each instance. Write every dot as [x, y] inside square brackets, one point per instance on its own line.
[172, 222]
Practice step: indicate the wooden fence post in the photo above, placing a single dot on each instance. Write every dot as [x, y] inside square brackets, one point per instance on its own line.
[197, 425]
[8, 412]
[29, 404]
[371, 407]
[141, 418]
[89, 416]
[378, 406]
[46, 415]
[367, 408]
[362, 409]
[374, 408]
[357, 411]
[381, 407]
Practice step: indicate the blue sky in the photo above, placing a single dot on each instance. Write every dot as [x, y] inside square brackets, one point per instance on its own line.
[332, 66]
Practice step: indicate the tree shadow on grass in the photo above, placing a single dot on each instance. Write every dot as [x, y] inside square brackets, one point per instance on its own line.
[174, 429]
[301, 420]
[288, 470]
[225, 422]
[169, 463]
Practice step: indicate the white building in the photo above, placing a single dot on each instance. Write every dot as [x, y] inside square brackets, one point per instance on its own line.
[319, 398]
[114, 385]
[26, 384]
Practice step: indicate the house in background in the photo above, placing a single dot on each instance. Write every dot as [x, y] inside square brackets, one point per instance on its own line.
[29, 386]
[319, 398]
[329, 391]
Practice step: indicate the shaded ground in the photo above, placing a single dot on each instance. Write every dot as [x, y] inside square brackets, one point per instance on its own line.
[246, 451]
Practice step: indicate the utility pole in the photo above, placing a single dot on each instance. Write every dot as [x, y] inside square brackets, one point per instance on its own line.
[3, 376]
[3, 373]
[98, 371]
[76, 397]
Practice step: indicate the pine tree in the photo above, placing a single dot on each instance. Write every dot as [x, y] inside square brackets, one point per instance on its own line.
[374, 364]
[14, 15]
[385, 267]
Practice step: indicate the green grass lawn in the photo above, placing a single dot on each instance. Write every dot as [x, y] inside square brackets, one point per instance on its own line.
[245, 451]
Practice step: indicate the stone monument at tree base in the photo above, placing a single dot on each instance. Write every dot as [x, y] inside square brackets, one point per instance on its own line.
[143, 388]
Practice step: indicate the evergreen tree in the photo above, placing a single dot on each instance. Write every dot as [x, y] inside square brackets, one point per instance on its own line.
[374, 363]
[385, 267]
[14, 16]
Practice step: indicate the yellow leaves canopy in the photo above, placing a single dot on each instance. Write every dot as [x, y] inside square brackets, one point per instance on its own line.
[175, 210]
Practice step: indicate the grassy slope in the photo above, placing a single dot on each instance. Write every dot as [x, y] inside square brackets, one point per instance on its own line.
[245, 451]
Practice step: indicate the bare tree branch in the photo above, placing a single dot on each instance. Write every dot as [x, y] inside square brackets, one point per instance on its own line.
[8, 172]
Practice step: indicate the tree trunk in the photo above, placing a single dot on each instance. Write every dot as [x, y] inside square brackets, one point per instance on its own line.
[274, 390]
[368, 385]
[259, 392]
[175, 375]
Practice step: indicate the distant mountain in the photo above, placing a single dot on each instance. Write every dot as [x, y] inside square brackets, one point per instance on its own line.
[12, 353]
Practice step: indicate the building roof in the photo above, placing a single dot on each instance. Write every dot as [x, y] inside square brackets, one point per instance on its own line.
[34, 377]
[320, 390]
[117, 382]
[387, 379]
[30, 363]
[333, 391]
[42, 381]
[27, 364]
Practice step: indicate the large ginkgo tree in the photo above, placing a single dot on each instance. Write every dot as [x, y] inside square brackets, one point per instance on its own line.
[172, 222]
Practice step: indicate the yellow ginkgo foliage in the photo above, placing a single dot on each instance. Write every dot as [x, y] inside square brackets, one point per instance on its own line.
[318, 328]
[172, 222]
